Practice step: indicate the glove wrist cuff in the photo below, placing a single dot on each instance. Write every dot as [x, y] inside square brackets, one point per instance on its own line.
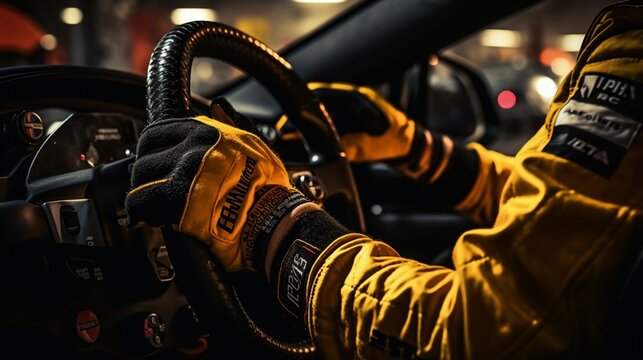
[299, 250]
[283, 228]
[428, 157]
[273, 203]
[419, 150]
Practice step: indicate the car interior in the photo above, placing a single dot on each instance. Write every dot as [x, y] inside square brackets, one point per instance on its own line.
[79, 282]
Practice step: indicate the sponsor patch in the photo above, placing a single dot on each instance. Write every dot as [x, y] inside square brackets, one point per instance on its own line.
[619, 94]
[598, 124]
[600, 121]
[586, 149]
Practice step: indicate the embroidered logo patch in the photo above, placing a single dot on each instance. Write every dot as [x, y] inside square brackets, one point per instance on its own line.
[598, 124]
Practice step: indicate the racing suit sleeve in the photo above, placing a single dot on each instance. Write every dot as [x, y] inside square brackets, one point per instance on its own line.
[537, 284]
[481, 201]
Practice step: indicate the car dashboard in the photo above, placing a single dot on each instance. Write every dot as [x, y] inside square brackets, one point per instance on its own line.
[75, 278]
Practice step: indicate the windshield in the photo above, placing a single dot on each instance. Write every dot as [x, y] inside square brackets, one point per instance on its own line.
[523, 57]
[121, 34]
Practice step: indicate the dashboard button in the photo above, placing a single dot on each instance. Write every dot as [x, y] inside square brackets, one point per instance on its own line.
[31, 127]
[87, 326]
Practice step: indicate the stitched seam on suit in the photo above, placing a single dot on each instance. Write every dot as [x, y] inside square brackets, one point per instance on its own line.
[475, 261]
[378, 296]
[580, 266]
[519, 334]
[559, 298]
[380, 302]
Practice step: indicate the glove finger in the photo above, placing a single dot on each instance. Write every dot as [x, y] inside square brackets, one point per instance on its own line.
[352, 112]
[222, 109]
[175, 162]
[168, 133]
[160, 158]
[156, 205]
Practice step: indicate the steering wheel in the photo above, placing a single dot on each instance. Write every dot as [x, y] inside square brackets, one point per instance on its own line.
[217, 297]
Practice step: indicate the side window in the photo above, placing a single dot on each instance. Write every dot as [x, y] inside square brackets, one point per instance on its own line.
[453, 103]
[447, 95]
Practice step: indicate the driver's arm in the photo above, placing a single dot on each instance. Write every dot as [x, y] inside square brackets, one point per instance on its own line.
[467, 178]
[540, 283]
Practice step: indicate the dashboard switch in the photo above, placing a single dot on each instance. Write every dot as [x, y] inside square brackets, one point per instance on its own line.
[143, 332]
[154, 330]
[65, 218]
[69, 217]
[310, 186]
[162, 264]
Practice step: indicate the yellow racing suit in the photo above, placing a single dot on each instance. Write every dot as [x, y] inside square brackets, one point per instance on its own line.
[539, 280]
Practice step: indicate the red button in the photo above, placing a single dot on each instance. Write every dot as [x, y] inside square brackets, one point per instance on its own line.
[87, 326]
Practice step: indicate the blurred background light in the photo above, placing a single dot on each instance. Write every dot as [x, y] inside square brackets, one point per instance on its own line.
[560, 62]
[501, 38]
[48, 42]
[71, 15]
[183, 15]
[540, 92]
[547, 56]
[433, 60]
[561, 66]
[506, 99]
[545, 86]
[571, 42]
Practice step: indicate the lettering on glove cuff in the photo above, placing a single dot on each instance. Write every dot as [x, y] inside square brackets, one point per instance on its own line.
[272, 204]
[293, 276]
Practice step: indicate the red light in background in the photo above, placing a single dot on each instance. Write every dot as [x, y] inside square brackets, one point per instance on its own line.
[548, 55]
[433, 60]
[82, 157]
[506, 99]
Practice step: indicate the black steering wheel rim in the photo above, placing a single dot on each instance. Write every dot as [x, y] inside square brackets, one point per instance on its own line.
[168, 80]
[212, 294]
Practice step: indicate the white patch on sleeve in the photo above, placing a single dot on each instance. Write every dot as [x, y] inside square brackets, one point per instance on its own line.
[600, 121]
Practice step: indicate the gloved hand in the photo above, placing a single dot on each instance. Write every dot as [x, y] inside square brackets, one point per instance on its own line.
[371, 129]
[216, 182]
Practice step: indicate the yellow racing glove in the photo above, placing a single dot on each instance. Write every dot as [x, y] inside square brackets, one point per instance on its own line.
[220, 184]
[371, 129]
